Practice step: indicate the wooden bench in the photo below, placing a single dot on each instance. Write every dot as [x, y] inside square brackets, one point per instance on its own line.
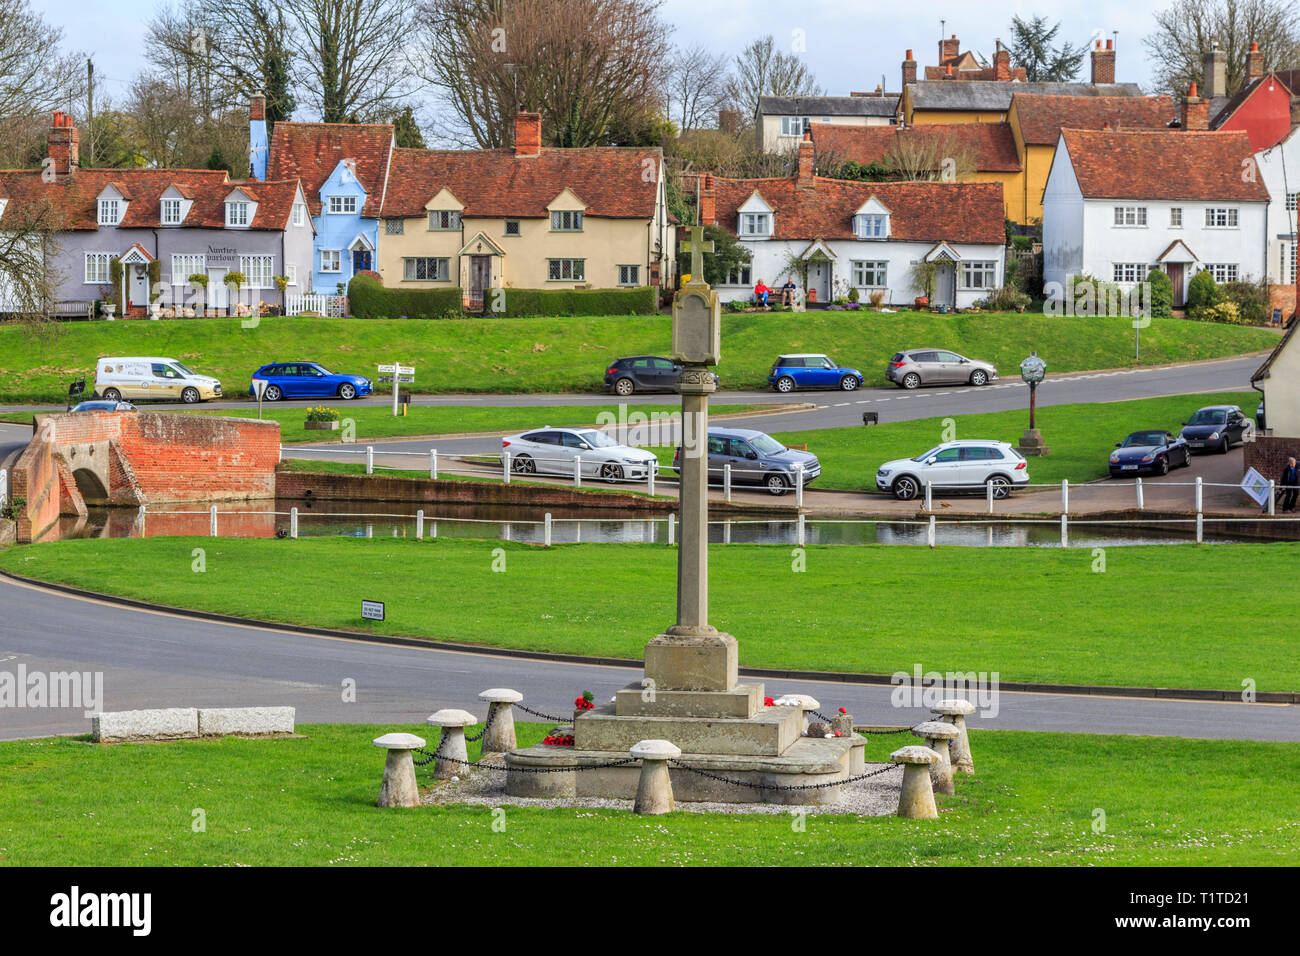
[73, 310]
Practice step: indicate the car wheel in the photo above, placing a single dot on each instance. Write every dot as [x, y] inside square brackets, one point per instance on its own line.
[911, 380]
[523, 465]
[1187, 458]
[906, 488]
[848, 383]
[112, 395]
[785, 384]
[273, 393]
[611, 472]
[979, 378]
[347, 391]
[1224, 445]
[624, 386]
[1162, 466]
[776, 485]
[1001, 486]
[190, 396]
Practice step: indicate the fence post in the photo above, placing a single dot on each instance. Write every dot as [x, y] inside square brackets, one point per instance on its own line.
[546, 529]
[928, 505]
[800, 530]
[726, 481]
[433, 463]
[798, 484]
[1272, 498]
[370, 459]
[1200, 528]
[142, 521]
[726, 532]
[672, 528]
[1065, 496]
[212, 521]
[1141, 503]
[1198, 494]
[577, 472]
[419, 525]
[650, 478]
[988, 490]
[1065, 531]
[293, 522]
[505, 467]
[929, 531]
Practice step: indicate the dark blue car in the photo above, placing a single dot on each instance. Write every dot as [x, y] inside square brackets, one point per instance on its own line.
[806, 370]
[308, 380]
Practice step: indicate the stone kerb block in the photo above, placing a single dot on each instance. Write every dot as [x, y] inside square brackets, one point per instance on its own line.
[252, 721]
[399, 788]
[500, 735]
[916, 799]
[166, 724]
[654, 791]
[955, 711]
[937, 737]
[804, 702]
[453, 758]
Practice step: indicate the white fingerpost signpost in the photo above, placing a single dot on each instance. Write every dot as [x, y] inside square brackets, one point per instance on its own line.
[398, 374]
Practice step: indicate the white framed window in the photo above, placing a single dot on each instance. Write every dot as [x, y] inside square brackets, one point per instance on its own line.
[1287, 267]
[110, 212]
[1291, 201]
[871, 274]
[258, 271]
[331, 260]
[185, 266]
[1130, 215]
[793, 125]
[739, 276]
[171, 212]
[566, 221]
[1176, 217]
[512, 227]
[1223, 271]
[394, 227]
[237, 213]
[299, 214]
[982, 274]
[1128, 272]
[562, 270]
[871, 226]
[755, 223]
[426, 269]
[1221, 217]
[629, 275]
[343, 205]
[444, 220]
[291, 273]
[97, 267]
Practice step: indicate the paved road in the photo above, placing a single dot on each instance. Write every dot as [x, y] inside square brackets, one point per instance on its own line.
[152, 659]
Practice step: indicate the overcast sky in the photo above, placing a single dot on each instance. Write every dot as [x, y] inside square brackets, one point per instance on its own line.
[849, 43]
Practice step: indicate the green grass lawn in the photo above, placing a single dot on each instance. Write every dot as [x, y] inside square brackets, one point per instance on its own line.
[311, 802]
[570, 354]
[1030, 614]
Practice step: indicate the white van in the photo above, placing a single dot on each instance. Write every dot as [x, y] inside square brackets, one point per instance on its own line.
[160, 379]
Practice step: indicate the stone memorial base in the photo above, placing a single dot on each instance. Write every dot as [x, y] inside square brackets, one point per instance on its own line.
[1031, 444]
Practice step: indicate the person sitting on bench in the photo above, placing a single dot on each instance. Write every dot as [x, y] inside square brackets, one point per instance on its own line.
[788, 292]
[761, 292]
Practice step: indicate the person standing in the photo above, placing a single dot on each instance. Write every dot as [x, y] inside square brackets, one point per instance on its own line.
[1288, 486]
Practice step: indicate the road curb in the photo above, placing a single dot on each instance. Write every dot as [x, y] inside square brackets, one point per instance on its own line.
[1098, 690]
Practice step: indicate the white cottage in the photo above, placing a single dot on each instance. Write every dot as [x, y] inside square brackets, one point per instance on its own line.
[1118, 202]
[861, 235]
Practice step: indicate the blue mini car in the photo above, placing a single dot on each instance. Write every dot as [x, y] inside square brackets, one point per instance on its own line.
[811, 371]
[308, 380]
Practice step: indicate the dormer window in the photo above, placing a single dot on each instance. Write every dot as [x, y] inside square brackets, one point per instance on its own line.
[755, 224]
[343, 205]
[110, 212]
[566, 221]
[171, 212]
[444, 220]
[871, 226]
[236, 213]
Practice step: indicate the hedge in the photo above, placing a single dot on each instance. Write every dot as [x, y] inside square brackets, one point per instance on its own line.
[521, 302]
[369, 299]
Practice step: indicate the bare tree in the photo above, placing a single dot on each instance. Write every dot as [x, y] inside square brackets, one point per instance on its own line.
[1186, 30]
[591, 67]
[929, 154]
[28, 249]
[697, 87]
[763, 70]
[253, 38]
[35, 78]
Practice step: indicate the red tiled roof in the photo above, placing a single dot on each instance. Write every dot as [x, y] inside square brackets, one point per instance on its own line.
[610, 180]
[923, 212]
[991, 144]
[1043, 116]
[1166, 164]
[74, 198]
[311, 151]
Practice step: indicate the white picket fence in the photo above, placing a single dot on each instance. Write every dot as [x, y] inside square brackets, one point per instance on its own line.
[334, 306]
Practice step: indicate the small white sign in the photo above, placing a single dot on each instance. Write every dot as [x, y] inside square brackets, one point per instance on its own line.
[1256, 485]
[259, 387]
[404, 370]
[387, 368]
[372, 610]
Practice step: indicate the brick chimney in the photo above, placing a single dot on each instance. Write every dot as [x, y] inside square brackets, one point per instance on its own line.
[63, 145]
[259, 148]
[804, 179]
[708, 202]
[1216, 72]
[1254, 63]
[528, 134]
[1196, 111]
[1002, 64]
[948, 49]
[1103, 63]
[909, 69]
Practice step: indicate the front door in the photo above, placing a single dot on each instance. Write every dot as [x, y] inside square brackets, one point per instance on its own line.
[218, 291]
[138, 293]
[480, 278]
[1175, 270]
[945, 285]
[819, 280]
[360, 260]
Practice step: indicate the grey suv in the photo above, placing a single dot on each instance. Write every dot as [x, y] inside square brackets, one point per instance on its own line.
[917, 367]
[756, 458]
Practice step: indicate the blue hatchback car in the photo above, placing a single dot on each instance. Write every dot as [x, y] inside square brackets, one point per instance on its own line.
[806, 370]
[308, 380]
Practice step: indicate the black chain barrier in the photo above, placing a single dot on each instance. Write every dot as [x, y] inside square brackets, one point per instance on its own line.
[882, 733]
[538, 713]
[487, 724]
[479, 765]
[777, 787]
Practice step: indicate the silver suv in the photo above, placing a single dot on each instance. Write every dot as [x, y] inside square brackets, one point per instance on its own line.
[917, 367]
[955, 466]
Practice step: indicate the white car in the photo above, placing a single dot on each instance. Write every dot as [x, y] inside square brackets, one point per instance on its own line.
[554, 451]
[955, 466]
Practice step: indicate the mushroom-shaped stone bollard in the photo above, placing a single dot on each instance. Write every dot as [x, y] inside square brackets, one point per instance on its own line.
[654, 791]
[937, 736]
[916, 801]
[453, 758]
[399, 788]
[954, 711]
[803, 702]
[499, 737]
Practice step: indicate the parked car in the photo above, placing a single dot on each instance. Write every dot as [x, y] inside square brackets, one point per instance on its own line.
[1216, 427]
[644, 373]
[161, 379]
[917, 367]
[103, 405]
[955, 466]
[1154, 451]
[756, 458]
[554, 450]
[308, 380]
[808, 370]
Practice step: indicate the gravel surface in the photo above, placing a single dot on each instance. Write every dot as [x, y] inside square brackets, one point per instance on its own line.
[874, 797]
